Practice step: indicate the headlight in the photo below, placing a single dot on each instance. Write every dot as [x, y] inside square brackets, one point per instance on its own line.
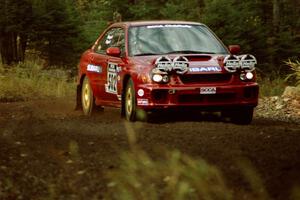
[160, 78]
[157, 78]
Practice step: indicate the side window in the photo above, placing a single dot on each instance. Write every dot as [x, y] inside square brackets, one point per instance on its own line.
[121, 41]
[115, 37]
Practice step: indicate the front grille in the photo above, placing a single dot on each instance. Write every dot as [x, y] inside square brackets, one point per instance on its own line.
[160, 96]
[205, 78]
[201, 98]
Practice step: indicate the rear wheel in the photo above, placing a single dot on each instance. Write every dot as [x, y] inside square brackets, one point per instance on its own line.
[242, 115]
[87, 98]
[130, 101]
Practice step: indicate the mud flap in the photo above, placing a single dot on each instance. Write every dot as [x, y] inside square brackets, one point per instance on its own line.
[78, 98]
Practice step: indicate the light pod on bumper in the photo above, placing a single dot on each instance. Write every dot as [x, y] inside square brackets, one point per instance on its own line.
[248, 62]
[160, 73]
[180, 64]
[164, 64]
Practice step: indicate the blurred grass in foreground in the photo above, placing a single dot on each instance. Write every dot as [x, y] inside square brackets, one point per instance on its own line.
[28, 80]
[174, 176]
[171, 175]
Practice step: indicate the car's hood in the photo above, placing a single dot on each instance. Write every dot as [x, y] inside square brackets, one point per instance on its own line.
[198, 63]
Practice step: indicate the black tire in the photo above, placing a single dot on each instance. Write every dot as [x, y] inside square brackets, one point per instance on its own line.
[130, 101]
[242, 116]
[87, 98]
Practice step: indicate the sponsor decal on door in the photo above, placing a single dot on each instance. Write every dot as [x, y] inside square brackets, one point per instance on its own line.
[112, 78]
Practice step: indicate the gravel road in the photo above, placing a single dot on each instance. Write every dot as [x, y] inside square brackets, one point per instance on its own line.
[47, 146]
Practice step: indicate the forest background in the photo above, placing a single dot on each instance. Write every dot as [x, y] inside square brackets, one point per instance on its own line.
[58, 31]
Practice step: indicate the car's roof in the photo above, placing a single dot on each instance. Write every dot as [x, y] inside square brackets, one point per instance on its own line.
[146, 23]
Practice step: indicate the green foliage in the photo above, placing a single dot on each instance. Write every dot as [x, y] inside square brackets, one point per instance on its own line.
[176, 176]
[146, 10]
[62, 29]
[180, 10]
[237, 23]
[15, 16]
[55, 31]
[93, 24]
[249, 23]
[286, 47]
[28, 81]
[269, 87]
[295, 67]
[273, 84]
[15, 23]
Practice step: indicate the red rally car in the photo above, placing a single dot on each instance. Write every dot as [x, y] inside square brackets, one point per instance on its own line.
[154, 65]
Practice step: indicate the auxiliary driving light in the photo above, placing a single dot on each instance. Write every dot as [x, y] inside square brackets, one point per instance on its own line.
[165, 78]
[141, 92]
[246, 76]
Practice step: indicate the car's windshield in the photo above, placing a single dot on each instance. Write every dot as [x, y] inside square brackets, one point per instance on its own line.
[173, 38]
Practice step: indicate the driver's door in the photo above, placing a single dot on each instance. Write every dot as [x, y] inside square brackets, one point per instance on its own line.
[110, 85]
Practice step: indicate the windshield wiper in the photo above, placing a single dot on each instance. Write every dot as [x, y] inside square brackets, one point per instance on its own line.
[190, 52]
[145, 54]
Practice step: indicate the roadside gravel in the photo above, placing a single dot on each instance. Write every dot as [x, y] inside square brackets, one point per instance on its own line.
[283, 108]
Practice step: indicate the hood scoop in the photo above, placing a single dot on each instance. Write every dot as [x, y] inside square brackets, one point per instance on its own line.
[195, 58]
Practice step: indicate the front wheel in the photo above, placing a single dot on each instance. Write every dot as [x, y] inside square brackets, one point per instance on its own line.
[87, 98]
[242, 115]
[130, 101]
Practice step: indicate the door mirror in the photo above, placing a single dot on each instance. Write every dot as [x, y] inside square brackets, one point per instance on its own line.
[234, 49]
[113, 51]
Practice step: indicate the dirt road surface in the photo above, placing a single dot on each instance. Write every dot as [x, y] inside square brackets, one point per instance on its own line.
[47, 148]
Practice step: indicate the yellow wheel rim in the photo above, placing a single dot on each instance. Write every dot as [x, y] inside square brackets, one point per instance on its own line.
[86, 96]
[129, 101]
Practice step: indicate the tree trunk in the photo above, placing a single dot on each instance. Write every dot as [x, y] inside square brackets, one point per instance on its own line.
[12, 47]
[275, 24]
[22, 47]
[276, 15]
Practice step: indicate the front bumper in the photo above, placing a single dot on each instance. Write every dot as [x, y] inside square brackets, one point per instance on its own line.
[158, 97]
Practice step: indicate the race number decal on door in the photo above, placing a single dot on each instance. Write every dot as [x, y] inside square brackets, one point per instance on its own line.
[112, 78]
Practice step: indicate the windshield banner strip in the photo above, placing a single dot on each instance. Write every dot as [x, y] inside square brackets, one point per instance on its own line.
[170, 26]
